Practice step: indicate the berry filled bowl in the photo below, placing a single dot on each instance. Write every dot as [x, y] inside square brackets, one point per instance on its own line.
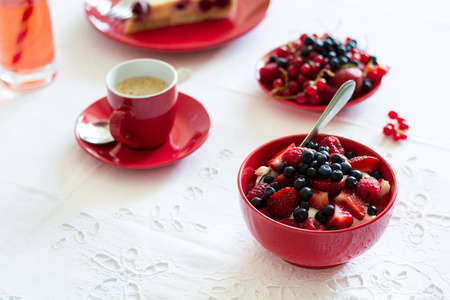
[317, 206]
[306, 73]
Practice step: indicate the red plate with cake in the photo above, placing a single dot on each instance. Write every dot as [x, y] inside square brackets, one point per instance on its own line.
[187, 37]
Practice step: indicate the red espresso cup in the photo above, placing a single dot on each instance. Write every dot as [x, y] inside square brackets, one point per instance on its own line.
[142, 121]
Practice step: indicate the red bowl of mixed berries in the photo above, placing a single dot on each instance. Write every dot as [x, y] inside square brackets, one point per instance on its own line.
[306, 73]
[317, 206]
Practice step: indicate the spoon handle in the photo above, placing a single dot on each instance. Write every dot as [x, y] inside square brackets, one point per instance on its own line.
[343, 94]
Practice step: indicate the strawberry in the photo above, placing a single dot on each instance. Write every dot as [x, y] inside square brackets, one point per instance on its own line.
[257, 191]
[269, 73]
[265, 211]
[383, 199]
[341, 218]
[349, 201]
[328, 185]
[284, 182]
[368, 189]
[293, 156]
[345, 74]
[276, 160]
[327, 94]
[283, 203]
[290, 222]
[366, 164]
[312, 224]
[333, 143]
[319, 199]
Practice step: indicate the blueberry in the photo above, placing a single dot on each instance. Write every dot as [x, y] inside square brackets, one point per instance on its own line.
[305, 51]
[281, 167]
[340, 49]
[377, 174]
[350, 154]
[336, 176]
[324, 148]
[321, 158]
[304, 204]
[372, 210]
[336, 158]
[328, 210]
[301, 168]
[268, 179]
[334, 63]
[332, 54]
[272, 59]
[357, 174]
[326, 153]
[321, 217]
[324, 171]
[346, 167]
[276, 186]
[366, 85]
[282, 63]
[351, 182]
[289, 172]
[307, 156]
[332, 228]
[374, 59]
[312, 145]
[343, 60]
[257, 202]
[300, 215]
[327, 44]
[311, 173]
[299, 183]
[305, 193]
[269, 191]
[308, 40]
[318, 46]
[336, 166]
[314, 164]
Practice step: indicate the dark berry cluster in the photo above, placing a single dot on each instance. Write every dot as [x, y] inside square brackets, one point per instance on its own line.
[302, 70]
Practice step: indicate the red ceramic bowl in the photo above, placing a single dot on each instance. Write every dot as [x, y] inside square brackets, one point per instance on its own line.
[307, 248]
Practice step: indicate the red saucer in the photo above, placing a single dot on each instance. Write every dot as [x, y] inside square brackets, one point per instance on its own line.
[267, 88]
[190, 131]
[188, 37]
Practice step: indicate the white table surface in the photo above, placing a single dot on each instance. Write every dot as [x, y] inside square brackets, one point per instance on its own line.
[74, 228]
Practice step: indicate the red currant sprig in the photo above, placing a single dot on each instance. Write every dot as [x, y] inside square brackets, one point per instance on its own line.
[396, 130]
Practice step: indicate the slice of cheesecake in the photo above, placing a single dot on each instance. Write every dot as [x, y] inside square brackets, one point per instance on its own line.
[151, 14]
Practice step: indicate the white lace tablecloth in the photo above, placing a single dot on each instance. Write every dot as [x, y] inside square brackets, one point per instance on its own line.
[74, 228]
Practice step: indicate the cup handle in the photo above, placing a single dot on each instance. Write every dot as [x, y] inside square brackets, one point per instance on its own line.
[116, 122]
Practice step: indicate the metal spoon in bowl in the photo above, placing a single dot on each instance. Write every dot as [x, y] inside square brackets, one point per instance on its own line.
[343, 94]
[98, 133]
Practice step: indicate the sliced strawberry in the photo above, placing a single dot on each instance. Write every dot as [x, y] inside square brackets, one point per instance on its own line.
[385, 188]
[328, 185]
[257, 191]
[312, 224]
[333, 143]
[368, 189]
[341, 218]
[319, 199]
[277, 159]
[366, 164]
[290, 222]
[349, 201]
[283, 203]
[284, 182]
[293, 156]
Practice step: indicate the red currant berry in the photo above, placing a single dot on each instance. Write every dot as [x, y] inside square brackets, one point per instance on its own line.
[302, 37]
[305, 69]
[315, 69]
[298, 62]
[374, 75]
[321, 84]
[277, 83]
[364, 58]
[388, 129]
[403, 136]
[301, 98]
[396, 136]
[403, 126]
[311, 90]
[286, 93]
[314, 99]
[393, 115]
[282, 51]
[292, 71]
[319, 59]
[302, 78]
[294, 87]
[382, 71]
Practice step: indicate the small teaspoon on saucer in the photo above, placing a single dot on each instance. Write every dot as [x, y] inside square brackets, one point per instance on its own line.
[343, 94]
[98, 133]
